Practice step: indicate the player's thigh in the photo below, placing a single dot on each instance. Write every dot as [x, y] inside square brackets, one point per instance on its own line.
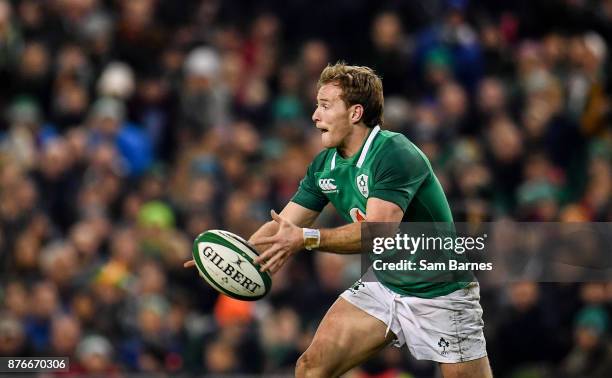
[346, 337]
[478, 368]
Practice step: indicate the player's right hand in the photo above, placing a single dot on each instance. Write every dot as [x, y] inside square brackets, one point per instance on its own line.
[189, 264]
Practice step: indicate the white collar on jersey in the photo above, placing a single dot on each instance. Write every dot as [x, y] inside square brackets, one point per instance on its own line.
[364, 151]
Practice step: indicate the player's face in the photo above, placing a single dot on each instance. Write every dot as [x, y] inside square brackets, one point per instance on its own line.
[331, 116]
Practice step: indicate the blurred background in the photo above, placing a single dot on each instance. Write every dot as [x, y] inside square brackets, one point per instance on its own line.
[129, 127]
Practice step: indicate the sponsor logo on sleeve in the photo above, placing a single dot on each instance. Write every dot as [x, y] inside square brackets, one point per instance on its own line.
[328, 185]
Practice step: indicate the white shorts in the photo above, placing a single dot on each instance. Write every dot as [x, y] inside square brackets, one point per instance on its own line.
[446, 329]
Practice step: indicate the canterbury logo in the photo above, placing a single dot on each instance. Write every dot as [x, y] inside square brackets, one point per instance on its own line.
[327, 184]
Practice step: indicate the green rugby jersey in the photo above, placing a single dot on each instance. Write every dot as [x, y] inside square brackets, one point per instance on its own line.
[390, 167]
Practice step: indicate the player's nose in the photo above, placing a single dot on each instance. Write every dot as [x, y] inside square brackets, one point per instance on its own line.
[315, 116]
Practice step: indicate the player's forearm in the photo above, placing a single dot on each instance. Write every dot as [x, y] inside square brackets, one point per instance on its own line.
[345, 239]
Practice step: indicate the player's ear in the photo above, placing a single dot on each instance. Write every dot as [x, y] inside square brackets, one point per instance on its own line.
[356, 113]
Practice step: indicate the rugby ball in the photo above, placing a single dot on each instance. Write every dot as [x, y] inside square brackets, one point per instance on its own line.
[225, 261]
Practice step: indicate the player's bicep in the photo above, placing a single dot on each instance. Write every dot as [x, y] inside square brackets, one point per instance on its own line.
[379, 210]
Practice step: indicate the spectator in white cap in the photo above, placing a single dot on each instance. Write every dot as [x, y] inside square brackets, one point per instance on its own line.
[203, 62]
[94, 355]
[205, 100]
[117, 80]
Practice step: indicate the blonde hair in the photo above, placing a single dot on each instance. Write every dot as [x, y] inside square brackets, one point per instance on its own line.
[360, 86]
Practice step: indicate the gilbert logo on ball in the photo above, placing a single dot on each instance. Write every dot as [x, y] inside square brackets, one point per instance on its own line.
[225, 261]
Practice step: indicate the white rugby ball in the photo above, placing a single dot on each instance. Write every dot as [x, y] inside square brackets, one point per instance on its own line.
[225, 261]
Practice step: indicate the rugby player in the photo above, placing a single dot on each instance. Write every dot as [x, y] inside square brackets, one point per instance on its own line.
[370, 174]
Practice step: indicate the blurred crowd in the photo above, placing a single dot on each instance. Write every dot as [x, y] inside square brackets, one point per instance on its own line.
[129, 127]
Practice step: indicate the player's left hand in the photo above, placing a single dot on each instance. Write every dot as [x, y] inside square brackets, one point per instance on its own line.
[288, 240]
